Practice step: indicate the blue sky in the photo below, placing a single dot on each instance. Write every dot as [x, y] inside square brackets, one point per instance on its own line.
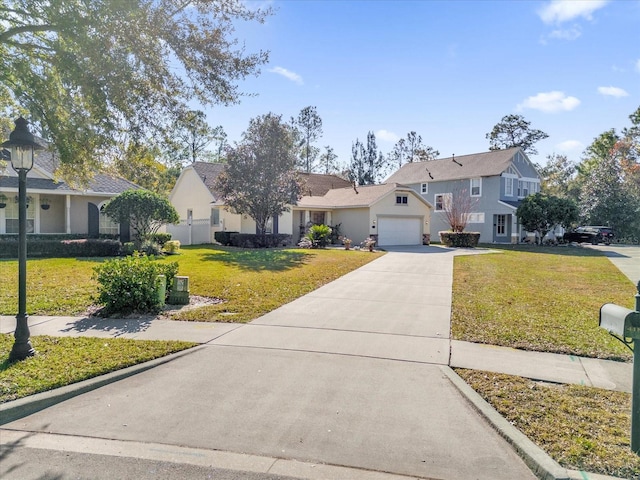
[449, 70]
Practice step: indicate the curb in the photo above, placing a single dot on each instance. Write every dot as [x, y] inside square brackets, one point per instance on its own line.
[17, 409]
[540, 463]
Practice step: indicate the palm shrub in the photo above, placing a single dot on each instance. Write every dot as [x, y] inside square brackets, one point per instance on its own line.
[128, 284]
[320, 236]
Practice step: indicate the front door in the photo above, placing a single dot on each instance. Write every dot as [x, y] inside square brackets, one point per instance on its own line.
[502, 228]
[93, 228]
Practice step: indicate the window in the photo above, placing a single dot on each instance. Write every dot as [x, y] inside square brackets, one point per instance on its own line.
[402, 199]
[523, 188]
[508, 187]
[475, 218]
[501, 223]
[317, 218]
[106, 225]
[215, 216]
[476, 187]
[424, 188]
[11, 215]
[442, 201]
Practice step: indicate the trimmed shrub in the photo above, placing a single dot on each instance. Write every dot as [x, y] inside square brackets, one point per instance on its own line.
[224, 238]
[248, 240]
[172, 247]
[160, 238]
[128, 284]
[149, 247]
[128, 248]
[91, 247]
[460, 239]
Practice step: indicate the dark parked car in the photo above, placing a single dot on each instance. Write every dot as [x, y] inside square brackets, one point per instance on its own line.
[590, 234]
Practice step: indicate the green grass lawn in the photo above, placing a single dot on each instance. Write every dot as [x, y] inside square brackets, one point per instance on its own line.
[63, 361]
[582, 428]
[548, 299]
[539, 298]
[250, 282]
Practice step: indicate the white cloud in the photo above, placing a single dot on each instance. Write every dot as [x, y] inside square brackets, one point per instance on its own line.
[294, 77]
[566, 34]
[559, 11]
[638, 66]
[387, 136]
[570, 146]
[613, 92]
[550, 102]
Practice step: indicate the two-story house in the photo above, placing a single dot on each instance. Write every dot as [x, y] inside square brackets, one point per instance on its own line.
[492, 185]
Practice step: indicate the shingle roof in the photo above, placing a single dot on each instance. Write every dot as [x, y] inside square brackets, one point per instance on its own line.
[101, 183]
[468, 166]
[316, 184]
[350, 197]
[208, 172]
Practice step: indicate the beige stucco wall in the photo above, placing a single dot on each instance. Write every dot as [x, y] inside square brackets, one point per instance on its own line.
[414, 208]
[53, 219]
[80, 212]
[190, 193]
[354, 223]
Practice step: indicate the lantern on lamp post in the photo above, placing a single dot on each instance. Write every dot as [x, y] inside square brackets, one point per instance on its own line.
[22, 145]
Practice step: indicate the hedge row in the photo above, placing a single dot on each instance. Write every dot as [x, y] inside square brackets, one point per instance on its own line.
[248, 240]
[62, 248]
[459, 239]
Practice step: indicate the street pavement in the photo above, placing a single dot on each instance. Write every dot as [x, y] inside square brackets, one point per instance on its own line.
[350, 381]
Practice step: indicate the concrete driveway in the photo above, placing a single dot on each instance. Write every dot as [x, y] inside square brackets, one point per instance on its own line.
[350, 375]
[625, 257]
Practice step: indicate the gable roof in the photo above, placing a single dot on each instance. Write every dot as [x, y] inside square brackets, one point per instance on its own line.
[208, 172]
[316, 184]
[484, 164]
[100, 183]
[350, 197]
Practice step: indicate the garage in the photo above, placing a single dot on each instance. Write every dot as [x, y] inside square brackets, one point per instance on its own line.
[399, 231]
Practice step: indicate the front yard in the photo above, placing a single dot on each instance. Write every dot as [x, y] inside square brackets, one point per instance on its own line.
[539, 298]
[250, 283]
[544, 299]
[548, 299]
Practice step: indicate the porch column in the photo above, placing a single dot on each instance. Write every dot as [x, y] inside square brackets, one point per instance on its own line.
[328, 219]
[67, 216]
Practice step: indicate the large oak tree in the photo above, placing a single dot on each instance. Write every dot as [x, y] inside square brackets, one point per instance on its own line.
[84, 69]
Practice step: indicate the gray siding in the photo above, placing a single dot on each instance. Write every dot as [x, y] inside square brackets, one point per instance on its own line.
[486, 206]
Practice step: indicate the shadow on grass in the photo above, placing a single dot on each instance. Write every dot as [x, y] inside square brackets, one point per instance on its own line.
[274, 260]
[561, 250]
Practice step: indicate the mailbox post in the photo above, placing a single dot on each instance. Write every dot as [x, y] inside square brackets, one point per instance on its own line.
[625, 323]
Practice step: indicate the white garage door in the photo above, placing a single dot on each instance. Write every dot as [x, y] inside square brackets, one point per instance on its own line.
[399, 231]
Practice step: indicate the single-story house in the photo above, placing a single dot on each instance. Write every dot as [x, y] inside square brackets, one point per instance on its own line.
[379, 211]
[493, 183]
[54, 207]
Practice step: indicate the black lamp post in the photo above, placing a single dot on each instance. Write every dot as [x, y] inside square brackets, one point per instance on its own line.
[22, 144]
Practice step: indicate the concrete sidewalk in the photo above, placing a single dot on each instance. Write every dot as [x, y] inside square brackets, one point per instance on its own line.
[322, 338]
[353, 377]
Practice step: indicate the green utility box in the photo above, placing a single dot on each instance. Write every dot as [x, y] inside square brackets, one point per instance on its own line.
[180, 291]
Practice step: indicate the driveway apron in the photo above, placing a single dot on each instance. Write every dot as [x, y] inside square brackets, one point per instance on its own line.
[349, 375]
